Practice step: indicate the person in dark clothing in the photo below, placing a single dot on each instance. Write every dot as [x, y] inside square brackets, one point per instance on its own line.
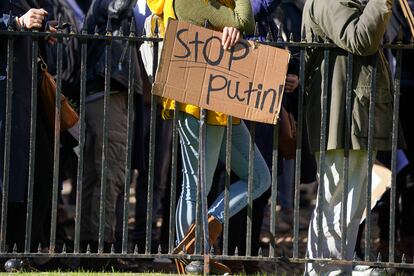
[25, 14]
[119, 13]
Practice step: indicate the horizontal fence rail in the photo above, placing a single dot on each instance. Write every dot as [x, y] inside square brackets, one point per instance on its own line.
[129, 250]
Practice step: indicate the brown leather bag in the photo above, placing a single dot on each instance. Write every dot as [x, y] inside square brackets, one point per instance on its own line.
[47, 95]
[287, 134]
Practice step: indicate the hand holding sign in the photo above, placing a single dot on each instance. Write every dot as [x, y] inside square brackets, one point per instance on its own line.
[230, 37]
[246, 82]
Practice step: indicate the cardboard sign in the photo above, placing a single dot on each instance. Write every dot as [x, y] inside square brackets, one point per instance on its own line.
[246, 81]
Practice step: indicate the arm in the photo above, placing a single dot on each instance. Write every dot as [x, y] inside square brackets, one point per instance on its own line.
[219, 16]
[351, 28]
[120, 8]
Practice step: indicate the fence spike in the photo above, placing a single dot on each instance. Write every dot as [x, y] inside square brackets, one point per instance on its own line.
[303, 35]
[313, 37]
[136, 249]
[121, 31]
[132, 28]
[354, 258]
[307, 254]
[270, 33]
[236, 251]
[14, 248]
[64, 248]
[325, 39]
[9, 23]
[279, 33]
[72, 30]
[400, 35]
[379, 257]
[256, 30]
[211, 250]
[269, 36]
[112, 248]
[159, 249]
[291, 39]
[39, 248]
[260, 253]
[59, 23]
[403, 259]
[156, 30]
[88, 249]
[84, 29]
[184, 250]
[96, 32]
[109, 26]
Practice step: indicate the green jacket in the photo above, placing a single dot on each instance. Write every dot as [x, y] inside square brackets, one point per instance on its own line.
[218, 15]
[357, 30]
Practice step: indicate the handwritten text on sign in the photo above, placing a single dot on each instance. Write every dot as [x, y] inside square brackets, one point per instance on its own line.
[246, 81]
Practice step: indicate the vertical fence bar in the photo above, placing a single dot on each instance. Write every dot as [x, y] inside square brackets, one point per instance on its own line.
[393, 200]
[347, 133]
[229, 134]
[130, 128]
[298, 154]
[273, 201]
[371, 156]
[56, 155]
[7, 140]
[32, 146]
[322, 155]
[173, 190]
[104, 164]
[81, 158]
[151, 163]
[198, 219]
[249, 218]
[203, 188]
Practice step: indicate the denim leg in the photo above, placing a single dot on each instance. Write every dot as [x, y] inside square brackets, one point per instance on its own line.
[188, 128]
[239, 165]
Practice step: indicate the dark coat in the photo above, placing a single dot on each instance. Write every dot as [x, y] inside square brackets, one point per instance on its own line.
[358, 30]
[120, 12]
[21, 108]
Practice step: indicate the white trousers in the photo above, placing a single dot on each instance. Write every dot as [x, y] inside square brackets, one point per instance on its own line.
[331, 208]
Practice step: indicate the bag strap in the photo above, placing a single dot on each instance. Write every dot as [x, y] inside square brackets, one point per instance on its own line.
[42, 63]
[408, 15]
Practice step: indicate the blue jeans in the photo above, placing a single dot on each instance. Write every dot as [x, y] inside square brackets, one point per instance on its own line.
[188, 127]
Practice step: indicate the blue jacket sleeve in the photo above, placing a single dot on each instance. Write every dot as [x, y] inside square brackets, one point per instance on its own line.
[263, 8]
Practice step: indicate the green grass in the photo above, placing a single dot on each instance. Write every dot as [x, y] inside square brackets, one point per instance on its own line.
[79, 274]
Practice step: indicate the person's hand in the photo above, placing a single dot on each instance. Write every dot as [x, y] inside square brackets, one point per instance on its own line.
[51, 27]
[292, 82]
[32, 19]
[230, 37]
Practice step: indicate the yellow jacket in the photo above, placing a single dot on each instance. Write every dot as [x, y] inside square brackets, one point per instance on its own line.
[165, 10]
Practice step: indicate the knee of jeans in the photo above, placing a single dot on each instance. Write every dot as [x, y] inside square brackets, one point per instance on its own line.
[261, 181]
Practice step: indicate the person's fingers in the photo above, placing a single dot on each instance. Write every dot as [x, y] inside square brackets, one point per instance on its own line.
[52, 29]
[226, 38]
[237, 36]
[38, 12]
[37, 17]
[233, 37]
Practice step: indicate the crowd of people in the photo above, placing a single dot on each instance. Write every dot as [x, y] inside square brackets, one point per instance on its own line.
[357, 27]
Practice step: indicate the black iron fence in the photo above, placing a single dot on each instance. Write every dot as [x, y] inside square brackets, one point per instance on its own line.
[201, 252]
